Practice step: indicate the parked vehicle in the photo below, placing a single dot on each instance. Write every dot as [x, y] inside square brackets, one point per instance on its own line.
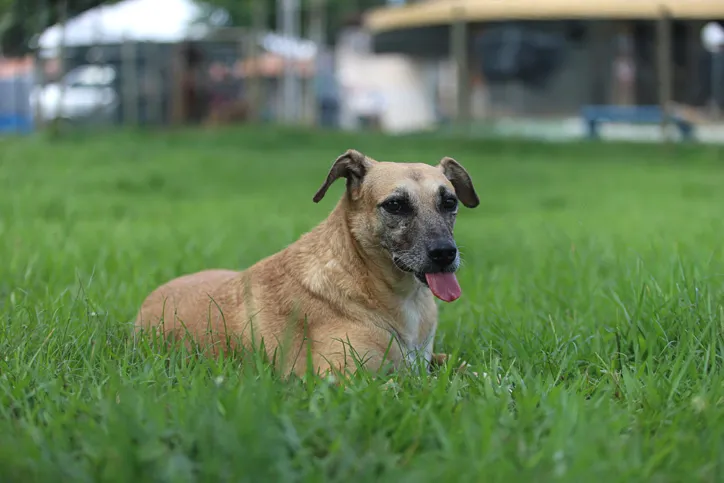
[88, 92]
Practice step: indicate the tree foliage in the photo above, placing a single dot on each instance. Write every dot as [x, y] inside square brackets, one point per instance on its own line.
[21, 20]
[336, 12]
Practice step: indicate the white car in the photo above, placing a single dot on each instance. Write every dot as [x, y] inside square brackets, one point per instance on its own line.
[88, 90]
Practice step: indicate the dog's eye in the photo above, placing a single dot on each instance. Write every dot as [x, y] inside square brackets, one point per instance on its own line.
[449, 204]
[396, 207]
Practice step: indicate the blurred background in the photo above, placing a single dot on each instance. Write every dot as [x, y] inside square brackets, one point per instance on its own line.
[554, 69]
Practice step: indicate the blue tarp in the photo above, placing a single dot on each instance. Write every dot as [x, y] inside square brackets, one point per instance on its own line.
[15, 111]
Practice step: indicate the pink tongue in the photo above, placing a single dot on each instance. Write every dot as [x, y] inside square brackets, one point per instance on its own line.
[444, 286]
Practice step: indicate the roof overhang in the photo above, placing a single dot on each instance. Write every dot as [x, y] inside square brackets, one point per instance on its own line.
[445, 12]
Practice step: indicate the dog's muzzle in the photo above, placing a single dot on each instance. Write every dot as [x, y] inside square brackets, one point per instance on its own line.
[419, 274]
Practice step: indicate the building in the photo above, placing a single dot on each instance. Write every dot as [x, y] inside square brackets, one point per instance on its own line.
[546, 58]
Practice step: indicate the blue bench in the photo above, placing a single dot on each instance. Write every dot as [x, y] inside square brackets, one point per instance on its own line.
[595, 115]
[17, 124]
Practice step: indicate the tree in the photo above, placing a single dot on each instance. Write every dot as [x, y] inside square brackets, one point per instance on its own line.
[21, 20]
[338, 12]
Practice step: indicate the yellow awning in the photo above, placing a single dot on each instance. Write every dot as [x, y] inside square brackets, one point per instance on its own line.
[442, 12]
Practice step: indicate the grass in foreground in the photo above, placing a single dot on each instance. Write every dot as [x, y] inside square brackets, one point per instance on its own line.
[593, 284]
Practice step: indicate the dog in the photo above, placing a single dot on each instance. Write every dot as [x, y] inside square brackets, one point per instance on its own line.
[357, 291]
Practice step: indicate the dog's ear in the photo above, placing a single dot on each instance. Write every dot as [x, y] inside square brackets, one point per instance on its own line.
[351, 165]
[460, 180]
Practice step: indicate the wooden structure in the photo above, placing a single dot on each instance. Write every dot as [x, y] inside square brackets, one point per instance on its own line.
[408, 29]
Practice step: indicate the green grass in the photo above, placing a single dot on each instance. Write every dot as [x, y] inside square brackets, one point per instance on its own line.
[593, 287]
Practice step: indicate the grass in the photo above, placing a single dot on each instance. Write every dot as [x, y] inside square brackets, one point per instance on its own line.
[593, 287]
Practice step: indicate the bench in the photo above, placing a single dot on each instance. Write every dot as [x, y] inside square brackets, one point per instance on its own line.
[10, 123]
[595, 115]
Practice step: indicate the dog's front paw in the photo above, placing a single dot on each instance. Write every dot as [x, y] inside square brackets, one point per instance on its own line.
[438, 360]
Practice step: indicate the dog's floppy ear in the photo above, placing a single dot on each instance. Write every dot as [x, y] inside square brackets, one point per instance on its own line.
[460, 180]
[351, 165]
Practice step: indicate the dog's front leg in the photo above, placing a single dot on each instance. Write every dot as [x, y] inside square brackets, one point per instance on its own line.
[345, 352]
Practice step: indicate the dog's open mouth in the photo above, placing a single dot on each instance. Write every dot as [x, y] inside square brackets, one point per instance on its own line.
[443, 285]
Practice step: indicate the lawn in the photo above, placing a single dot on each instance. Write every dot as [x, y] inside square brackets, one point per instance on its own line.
[593, 292]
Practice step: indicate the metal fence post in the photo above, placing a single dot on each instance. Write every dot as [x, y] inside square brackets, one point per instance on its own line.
[459, 53]
[664, 68]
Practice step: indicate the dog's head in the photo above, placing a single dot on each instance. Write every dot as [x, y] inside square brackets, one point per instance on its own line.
[405, 213]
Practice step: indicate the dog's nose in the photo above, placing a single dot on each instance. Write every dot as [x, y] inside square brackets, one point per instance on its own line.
[443, 255]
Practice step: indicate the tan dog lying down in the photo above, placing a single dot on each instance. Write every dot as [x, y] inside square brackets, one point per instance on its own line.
[365, 277]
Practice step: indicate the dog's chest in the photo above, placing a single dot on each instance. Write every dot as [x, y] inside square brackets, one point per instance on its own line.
[417, 330]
